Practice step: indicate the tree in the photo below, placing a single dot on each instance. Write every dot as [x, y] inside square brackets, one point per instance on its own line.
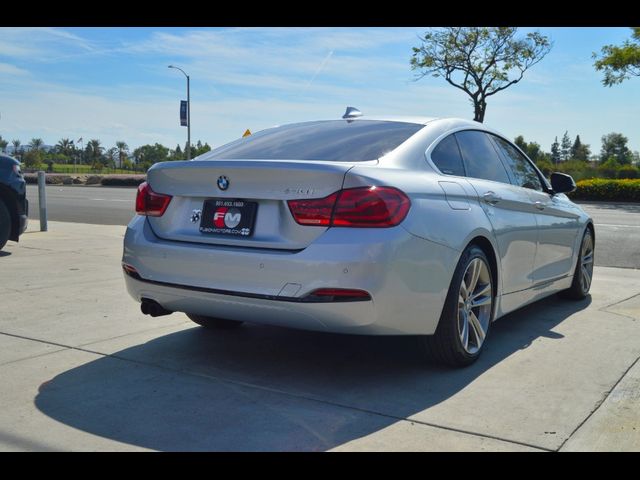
[16, 146]
[3, 144]
[615, 145]
[619, 63]
[32, 158]
[36, 143]
[480, 61]
[112, 157]
[565, 147]
[65, 147]
[123, 150]
[580, 151]
[531, 149]
[93, 152]
[555, 151]
[202, 148]
[147, 155]
[176, 154]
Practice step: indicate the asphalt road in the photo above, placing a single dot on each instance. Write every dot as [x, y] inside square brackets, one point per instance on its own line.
[80, 204]
[617, 225]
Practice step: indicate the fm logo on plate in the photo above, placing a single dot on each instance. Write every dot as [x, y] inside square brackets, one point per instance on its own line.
[226, 217]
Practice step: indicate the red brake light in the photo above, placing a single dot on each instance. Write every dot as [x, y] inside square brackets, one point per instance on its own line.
[370, 207]
[316, 211]
[354, 207]
[151, 203]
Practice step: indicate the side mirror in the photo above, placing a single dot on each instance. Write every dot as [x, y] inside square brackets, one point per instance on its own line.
[562, 183]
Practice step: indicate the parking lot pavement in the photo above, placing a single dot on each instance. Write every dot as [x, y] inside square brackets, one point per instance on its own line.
[83, 369]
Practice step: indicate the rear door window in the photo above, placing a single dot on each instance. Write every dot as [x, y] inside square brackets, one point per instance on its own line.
[480, 157]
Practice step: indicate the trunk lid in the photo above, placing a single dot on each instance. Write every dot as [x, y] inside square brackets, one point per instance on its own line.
[268, 183]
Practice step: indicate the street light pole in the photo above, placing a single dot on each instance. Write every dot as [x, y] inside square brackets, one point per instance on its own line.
[188, 113]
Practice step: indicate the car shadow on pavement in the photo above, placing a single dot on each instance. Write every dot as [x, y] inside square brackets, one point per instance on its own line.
[4, 254]
[267, 388]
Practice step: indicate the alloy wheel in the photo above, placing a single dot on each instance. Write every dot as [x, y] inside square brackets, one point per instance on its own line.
[586, 262]
[475, 301]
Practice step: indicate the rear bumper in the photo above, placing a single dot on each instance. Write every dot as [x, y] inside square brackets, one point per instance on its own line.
[407, 278]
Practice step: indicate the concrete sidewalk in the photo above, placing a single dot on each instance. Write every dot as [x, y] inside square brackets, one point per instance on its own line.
[82, 369]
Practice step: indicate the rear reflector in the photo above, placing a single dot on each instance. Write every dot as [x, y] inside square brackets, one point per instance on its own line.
[151, 203]
[128, 268]
[373, 207]
[131, 271]
[338, 295]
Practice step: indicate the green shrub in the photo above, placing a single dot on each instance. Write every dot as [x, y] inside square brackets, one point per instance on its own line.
[627, 190]
[628, 171]
[609, 169]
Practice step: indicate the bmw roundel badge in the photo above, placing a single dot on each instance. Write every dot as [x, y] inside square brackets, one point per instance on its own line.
[223, 182]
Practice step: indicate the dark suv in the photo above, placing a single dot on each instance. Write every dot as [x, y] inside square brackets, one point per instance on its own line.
[14, 206]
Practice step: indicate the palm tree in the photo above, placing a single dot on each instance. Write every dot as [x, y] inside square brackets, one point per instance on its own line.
[94, 151]
[123, 149]
[65, 147]
[36, 143]
[3, 144]
[16, 147]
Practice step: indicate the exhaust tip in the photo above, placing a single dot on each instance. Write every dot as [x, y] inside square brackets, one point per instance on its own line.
[153, 308]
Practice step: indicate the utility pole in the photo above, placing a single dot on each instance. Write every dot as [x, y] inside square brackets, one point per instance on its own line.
[188, 112]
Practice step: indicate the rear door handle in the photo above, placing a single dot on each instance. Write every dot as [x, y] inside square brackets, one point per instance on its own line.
[491, 198]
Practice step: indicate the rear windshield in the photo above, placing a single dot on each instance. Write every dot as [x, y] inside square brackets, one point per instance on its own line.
[333, 140]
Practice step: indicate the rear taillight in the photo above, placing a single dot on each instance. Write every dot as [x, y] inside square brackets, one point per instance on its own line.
[373, 207]
[316, 211]
[151, 203]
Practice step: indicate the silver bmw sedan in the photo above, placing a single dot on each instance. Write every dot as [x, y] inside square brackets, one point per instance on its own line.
[433, 227]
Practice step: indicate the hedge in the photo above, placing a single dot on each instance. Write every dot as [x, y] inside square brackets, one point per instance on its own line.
[123, 180]
[610, 190]
[80, 179]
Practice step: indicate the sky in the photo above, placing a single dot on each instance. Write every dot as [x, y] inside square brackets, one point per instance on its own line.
[113, 83]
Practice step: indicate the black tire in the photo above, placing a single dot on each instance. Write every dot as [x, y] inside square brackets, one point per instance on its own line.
[580, 285]
[5, 224]
[214, 323]
[446, 346]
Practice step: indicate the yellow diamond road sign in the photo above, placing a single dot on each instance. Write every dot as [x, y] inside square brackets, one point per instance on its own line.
[246, 133]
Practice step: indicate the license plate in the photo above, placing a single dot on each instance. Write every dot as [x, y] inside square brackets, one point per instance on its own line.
[228, 217]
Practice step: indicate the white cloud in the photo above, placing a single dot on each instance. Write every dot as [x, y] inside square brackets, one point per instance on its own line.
[40, 44]
[8, 69]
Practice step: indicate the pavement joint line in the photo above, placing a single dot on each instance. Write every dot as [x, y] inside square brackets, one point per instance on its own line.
[282, 392]
[44, 287]
[41, 249]
[44, 354]
[617, 303]
[618, 266]
[598, 404]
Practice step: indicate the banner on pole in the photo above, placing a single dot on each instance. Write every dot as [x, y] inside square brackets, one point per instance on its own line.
[183, 113]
